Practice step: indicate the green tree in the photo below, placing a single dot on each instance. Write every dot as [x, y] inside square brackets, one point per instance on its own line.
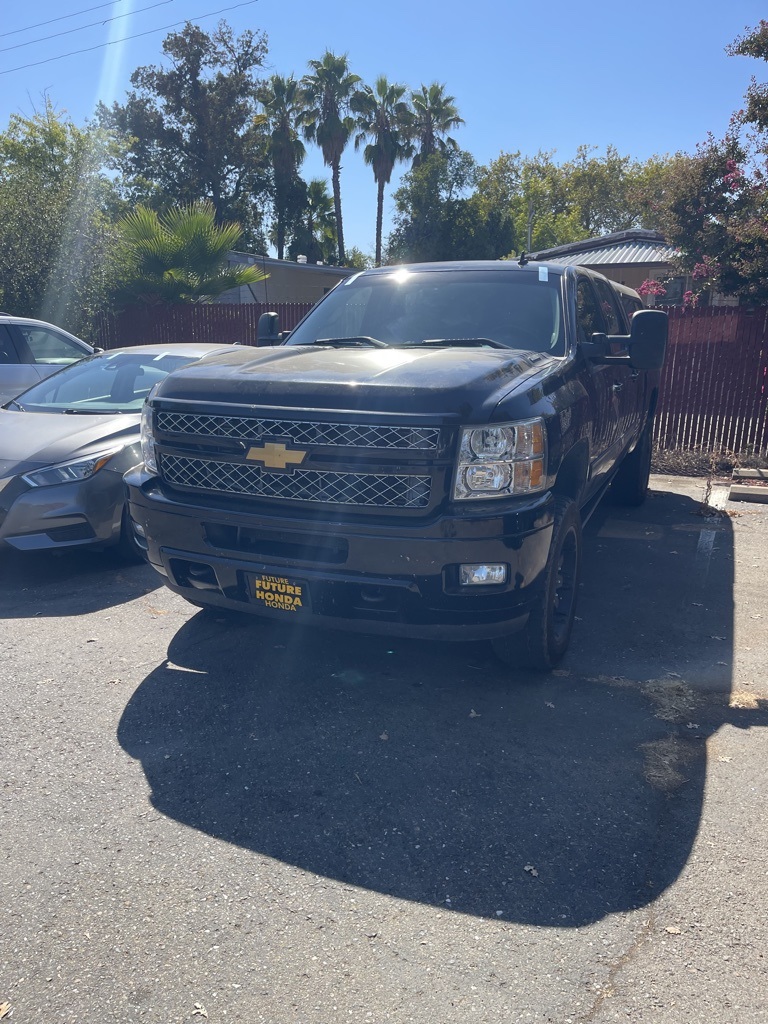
[384, 127]
[435, 115]
[545, 212]
[715, 213]
[358, 259]
[315, 234]
[328, 92]
[57, 210]
[283, 103]
[713, 204]
[179, 256]
[755, 113]
[647, 190]
[192, 129]
[438, 215]
[532, 193]
[600, 190]
[552, 204]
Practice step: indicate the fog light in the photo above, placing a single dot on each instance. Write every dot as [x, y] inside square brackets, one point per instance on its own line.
[482, 575]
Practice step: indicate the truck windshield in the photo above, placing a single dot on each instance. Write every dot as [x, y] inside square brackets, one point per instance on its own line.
[519, 309]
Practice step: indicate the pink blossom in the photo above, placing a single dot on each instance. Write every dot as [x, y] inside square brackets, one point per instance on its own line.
[707, 268]
[734, 175]
[650, 287]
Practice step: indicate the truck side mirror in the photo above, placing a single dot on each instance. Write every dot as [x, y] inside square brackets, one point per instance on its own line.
[268, 329]
[648, 339]
[596, 348]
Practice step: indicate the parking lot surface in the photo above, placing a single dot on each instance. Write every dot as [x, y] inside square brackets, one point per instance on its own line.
[234, 821]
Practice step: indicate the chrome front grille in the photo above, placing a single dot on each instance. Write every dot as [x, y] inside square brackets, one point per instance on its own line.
[380, 490]
[300, 432]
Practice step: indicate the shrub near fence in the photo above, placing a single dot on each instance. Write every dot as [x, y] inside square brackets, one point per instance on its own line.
[714, 386]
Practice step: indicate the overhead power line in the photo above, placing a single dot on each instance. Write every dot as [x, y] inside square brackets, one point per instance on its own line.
[50, 21]
[125, 39]
[80, 28]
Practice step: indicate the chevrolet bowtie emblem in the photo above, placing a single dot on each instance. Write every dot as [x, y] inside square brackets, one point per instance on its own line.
[275, 456]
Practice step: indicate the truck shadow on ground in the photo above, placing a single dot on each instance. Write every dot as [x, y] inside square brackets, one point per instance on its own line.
[65, 583]
[432, 773]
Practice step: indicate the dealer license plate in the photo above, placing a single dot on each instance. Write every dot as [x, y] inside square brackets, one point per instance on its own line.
[280, 593]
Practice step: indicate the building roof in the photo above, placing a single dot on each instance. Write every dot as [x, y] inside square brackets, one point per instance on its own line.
[620, 249]
[269, 261]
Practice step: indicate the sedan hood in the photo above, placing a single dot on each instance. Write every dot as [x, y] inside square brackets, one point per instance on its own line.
[32, 439]
[459, 381]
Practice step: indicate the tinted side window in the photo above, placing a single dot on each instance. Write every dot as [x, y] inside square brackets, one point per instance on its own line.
[611, 313]
[631, 306]
[589, 317]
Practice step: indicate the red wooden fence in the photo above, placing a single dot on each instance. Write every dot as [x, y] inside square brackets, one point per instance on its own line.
[211, 324]
[714, 386]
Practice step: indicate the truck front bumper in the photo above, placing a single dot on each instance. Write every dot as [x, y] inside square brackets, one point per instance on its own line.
[398, 579]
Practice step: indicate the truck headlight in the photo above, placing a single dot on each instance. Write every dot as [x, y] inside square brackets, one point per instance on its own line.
[500, 460]
[67, 472]
[148, 454]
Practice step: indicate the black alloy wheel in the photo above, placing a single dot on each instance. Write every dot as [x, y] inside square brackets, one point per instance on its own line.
[545, 638]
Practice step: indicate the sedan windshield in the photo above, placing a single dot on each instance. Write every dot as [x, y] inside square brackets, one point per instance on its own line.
[507, 308]
[115, 382]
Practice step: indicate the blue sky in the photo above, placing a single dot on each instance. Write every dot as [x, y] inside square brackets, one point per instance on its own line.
[648, 78]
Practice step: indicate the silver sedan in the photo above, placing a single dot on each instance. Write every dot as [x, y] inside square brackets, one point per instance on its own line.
[66, 443]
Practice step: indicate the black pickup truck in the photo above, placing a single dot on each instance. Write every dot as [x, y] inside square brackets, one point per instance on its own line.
[416, 458]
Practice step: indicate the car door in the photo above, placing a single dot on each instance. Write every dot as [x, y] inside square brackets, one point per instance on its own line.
[600, 380]
[15, 375]
[628, 383]
[46, 348]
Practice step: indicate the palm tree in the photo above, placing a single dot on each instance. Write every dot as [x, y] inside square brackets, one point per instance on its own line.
[385, 122]
[327, 94]
[283, 103]
[316, 238]
[179, 256]
[321, 220]
[436, 114]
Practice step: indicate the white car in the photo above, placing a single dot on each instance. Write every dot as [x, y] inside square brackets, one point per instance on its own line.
[31, 350]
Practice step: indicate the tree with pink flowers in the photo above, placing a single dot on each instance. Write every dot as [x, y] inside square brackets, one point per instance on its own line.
[713, 205]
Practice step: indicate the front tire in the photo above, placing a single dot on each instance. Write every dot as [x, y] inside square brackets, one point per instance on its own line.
[127, 546]
[547, 633]
[630, 485]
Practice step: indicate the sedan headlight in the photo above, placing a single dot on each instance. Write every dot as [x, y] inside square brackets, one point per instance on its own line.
[67, 472]
[500, 460]
[148, 454]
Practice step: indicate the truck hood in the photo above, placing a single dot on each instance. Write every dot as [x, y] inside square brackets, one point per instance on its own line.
[463, 382]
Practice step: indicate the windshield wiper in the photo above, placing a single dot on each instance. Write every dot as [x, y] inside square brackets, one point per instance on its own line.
[15, 405]
[357, 341]
[476, 342]
[92, 412]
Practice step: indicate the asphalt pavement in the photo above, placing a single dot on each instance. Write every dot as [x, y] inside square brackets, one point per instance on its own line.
[238, 821]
